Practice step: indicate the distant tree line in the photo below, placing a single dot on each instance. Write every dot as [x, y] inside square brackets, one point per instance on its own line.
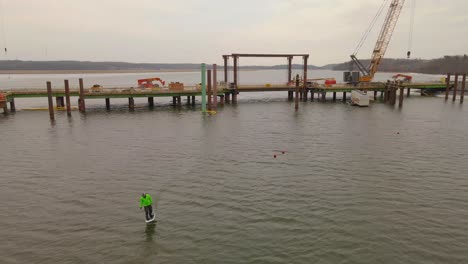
[447, 64]
[18, 65]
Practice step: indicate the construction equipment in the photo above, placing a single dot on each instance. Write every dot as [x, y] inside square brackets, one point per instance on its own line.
[148, 83]
[382, 42]
[3, 100]
[402, 77]
[176, 86]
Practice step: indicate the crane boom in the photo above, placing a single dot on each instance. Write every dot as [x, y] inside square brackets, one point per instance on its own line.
[382, 42]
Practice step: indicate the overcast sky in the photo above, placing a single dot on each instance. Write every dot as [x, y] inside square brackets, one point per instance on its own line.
[202, 30]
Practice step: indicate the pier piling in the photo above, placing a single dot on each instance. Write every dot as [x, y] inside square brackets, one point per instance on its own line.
[334, 96]
[174, 101]
[324, 96]
[344, 97]
[234, 94]
[203, 86]
[107, 104]
[455, 88]
[215, 87]
[312, 95]
[462, 94]
[305, 58]
[67, 97]
[225, 58]
[296, 99]
[387, 92]
[193, 100]
[50, 101]
[12, 105]
[131, 103]
[402, 93]
[210, 91]
[81, 101]
[447, 88]
[151, 102]
[375, 95]
[408, 92]
[60, 101]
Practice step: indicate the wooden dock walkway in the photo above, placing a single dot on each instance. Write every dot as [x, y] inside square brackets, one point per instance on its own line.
[222, 93]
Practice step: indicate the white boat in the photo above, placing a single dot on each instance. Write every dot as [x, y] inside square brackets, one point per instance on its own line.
[359, 98]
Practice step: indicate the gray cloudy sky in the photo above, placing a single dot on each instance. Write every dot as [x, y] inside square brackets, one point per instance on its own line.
[202, 30]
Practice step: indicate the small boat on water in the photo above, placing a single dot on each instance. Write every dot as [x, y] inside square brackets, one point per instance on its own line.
[359, 98]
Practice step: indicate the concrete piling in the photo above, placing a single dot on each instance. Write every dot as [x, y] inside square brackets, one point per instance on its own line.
[67, 97]
[334, 96]
[50, 101]
[107, 104]
[344, 97]
[151, 102]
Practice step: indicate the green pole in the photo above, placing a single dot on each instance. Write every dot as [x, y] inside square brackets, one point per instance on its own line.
[203, 86]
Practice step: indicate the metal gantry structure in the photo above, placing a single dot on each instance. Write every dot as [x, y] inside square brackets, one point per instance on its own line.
[382, 43]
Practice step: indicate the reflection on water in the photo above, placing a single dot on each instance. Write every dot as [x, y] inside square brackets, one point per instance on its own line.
[150, 231]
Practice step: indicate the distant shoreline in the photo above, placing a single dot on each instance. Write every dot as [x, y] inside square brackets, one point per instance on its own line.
[90, 71]
[19, 72]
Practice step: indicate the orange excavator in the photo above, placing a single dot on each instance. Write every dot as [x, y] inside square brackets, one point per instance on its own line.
[402, 77]
[148, 83]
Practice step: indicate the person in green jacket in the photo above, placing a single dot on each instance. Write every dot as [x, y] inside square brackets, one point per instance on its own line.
[147, 202]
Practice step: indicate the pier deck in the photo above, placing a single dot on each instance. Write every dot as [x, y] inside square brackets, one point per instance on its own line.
[193, 91]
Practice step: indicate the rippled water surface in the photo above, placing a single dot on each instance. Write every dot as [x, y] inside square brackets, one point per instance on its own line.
[355, 185]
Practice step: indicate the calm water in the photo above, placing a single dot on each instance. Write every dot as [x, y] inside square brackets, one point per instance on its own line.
[355, 185]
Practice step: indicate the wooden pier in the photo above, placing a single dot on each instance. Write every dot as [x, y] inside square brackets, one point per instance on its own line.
[216, 93]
